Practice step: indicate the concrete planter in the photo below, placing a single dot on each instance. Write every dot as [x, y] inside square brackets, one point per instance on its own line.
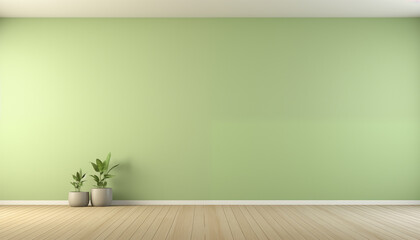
[78, 199]
[101, 197]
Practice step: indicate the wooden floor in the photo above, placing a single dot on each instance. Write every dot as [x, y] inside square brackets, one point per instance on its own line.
[210, 222]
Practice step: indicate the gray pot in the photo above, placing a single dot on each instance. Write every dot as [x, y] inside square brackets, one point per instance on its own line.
[78, 199]
[101, 197]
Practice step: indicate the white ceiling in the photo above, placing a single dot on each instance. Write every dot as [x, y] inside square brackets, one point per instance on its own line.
[209, 8]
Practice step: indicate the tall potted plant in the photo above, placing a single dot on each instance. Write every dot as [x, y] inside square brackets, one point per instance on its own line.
[101, 195]
[78, 198]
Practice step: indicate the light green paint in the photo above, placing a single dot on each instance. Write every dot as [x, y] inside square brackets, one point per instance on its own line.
[212, 108]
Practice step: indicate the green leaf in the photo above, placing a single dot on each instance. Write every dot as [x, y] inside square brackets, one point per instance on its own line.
[95, 167]
[113, 168]
[105, 183]
[106, 162]
[96, 178]
[100, 165]
[79, 179]
[108, 176]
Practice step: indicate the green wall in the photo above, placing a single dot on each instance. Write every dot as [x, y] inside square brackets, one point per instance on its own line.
[212, 108]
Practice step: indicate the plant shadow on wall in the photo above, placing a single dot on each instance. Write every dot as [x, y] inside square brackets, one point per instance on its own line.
[125, 183]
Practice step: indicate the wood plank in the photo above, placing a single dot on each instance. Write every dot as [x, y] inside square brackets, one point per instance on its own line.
[282, 226]
[150, 211]
[198, 232]
[21, 215]
[243, 223]
[60, 228]
[302, 222]
[235, 228]
[404, 223]
[335, 225]
[269, 231]
[15, 211]
[117, 232]
[167, 223]
[147, 232]
[210, 222]
[105, 230]
[21, 225]
[251, 221]
[59, 220]
[172, 225]
[384, 224]
[215, 223]
[356, 220]
[183, 224]
[94, 218]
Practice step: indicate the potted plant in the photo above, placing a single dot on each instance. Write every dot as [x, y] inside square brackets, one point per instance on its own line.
[101, 195]
[78, 198]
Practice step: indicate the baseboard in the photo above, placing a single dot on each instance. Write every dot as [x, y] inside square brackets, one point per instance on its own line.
[223, 202]
[34, 202]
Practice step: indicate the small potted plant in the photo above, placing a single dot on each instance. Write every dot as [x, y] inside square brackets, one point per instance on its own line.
[78, 198]
[101, 195]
